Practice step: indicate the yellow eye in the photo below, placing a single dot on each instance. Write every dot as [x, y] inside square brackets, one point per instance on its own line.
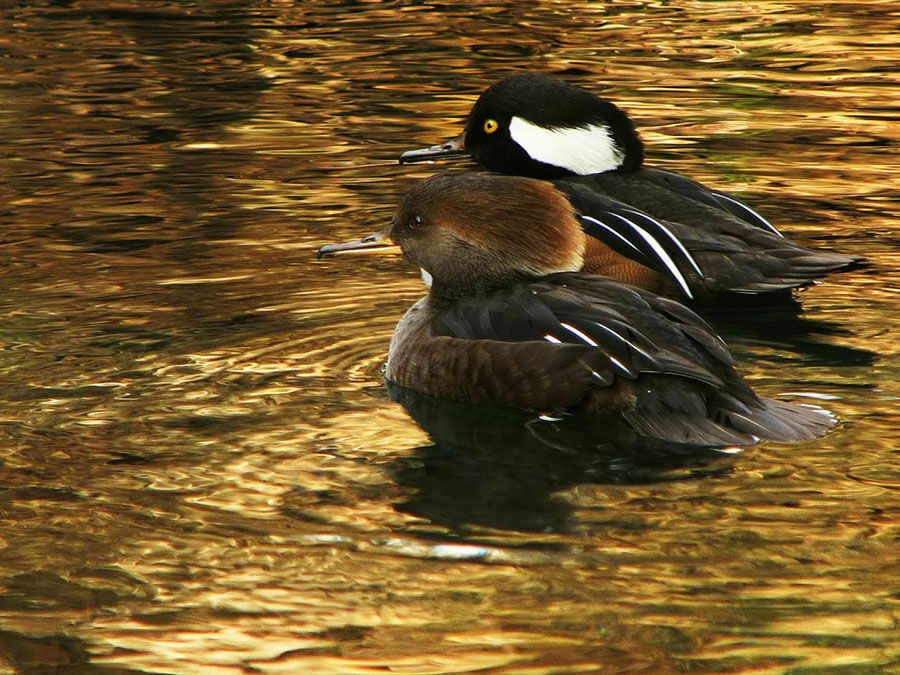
[490, 126]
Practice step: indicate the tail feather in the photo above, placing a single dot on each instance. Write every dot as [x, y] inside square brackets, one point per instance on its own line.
[761, 263]
[725, 418]
[785, 422]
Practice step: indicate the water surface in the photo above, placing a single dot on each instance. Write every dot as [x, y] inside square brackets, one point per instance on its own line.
[201, 468]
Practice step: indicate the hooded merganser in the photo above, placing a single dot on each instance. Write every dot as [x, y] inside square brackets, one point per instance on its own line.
[534, 125]
[511, 322]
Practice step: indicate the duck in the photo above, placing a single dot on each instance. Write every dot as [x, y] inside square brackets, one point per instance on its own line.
[534, 125]
[514, 322]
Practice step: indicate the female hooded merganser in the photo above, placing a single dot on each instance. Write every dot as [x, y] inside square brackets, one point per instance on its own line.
[511, 322]
[534, 125]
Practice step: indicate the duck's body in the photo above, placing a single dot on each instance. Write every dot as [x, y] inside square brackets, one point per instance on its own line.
[514, 323]
[499, 349]
[536, 126]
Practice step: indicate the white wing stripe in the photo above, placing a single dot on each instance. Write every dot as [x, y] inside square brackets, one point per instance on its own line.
[613, 232]
[640, 351]
[661, 254]
[675, 240]
[577, 333]
[621, 365]
[747, 209]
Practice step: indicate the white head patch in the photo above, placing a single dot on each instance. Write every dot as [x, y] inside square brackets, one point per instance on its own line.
[582, 150]
[426, 277]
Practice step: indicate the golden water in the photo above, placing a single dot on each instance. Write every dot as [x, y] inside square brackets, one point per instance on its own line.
[200, 468]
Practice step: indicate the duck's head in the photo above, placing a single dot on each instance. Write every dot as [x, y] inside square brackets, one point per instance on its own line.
[473, 231]
[534, 125]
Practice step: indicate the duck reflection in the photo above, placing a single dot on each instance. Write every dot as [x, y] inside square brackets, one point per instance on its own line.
[500, 468]
[785, 328]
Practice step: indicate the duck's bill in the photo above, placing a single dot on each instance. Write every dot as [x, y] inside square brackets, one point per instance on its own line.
[448, 150]
[374, 243]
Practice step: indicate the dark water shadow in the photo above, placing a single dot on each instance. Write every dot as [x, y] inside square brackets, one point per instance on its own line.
[783, 326]
[500, 468]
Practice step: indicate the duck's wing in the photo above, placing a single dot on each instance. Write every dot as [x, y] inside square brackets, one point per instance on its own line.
[631, 233]
[750, 260]
[716, 198]
[624, 335]
[577, 342]
[734, 256]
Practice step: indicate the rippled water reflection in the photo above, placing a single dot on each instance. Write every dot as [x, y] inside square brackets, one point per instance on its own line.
[201, 468]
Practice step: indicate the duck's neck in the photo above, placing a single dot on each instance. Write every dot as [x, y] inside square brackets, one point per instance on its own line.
[448, 293]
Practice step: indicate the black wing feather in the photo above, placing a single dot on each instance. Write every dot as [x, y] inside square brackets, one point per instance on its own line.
[606, 315]
[736, 253]
[631, 232]
[718, 199]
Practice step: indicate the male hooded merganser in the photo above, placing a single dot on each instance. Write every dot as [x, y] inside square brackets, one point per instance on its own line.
[534, 125]
[511, 322]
